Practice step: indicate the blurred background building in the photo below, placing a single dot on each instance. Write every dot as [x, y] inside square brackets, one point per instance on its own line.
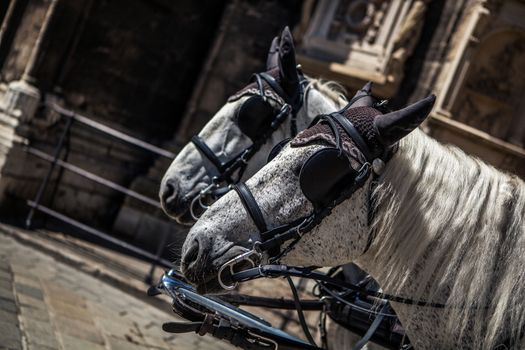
[157, 70]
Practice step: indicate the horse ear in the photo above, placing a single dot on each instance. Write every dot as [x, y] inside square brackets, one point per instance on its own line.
[287, 65]
[393, 126]
[363, 97]
[272, 61]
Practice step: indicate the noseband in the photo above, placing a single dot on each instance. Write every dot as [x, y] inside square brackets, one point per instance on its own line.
[230, 171]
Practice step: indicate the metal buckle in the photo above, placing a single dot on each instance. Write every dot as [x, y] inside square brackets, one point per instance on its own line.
[198, 199]
[243, 159]
[285, 110]
[246, 256]
[269, 340]
[363, 172]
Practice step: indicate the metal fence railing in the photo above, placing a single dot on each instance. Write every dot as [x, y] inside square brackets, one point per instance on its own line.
[55, 161]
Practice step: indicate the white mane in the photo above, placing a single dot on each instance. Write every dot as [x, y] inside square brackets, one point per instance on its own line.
[450, 228]
[331, 89]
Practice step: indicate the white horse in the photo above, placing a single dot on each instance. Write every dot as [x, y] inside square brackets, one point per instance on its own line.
[446, 228]
[191, 172]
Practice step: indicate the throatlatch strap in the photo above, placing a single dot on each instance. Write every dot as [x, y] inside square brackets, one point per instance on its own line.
[251, 206]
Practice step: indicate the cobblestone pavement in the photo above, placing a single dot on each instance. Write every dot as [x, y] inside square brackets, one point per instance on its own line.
[45, 304]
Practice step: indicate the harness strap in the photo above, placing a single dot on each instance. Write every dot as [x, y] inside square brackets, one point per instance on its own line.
[226, 168]
[260, 86]
[250, 205]
[294, 271]
[300, 313]
[294, 101]
[350, 129]
[208, 153]
[373, 327]
[274, 85]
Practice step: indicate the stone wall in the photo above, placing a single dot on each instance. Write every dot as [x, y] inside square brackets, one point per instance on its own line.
[152, 69]
[472, 66]
[239, 50]
[21, 26]
[128, 64]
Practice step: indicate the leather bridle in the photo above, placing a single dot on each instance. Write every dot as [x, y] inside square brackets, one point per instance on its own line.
[230, 171]
[272, 240]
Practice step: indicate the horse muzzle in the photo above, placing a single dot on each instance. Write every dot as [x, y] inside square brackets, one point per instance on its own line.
[213, 271]
[175, 203]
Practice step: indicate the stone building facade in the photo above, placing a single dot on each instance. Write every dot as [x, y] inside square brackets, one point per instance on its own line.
[158, 70]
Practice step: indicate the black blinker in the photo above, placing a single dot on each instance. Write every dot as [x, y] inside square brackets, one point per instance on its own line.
[255, 116]
[324, 175]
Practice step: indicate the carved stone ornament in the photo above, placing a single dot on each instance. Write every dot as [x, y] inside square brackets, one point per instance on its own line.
[480, 87]
[364, 39]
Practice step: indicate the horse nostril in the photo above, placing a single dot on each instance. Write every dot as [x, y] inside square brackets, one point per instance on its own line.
[168, 191]
[192, 254]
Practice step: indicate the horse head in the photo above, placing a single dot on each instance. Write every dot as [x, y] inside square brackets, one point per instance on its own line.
[298, 193]
[234, 144]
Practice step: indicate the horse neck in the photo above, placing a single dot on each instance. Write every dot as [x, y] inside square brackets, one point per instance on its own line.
[448, 229]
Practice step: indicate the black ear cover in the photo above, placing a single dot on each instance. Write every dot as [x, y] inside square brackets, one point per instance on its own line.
[255, 117]
[277, 149]
[324, 175]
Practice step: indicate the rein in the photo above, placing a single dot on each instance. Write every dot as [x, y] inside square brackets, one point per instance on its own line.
[273, 271]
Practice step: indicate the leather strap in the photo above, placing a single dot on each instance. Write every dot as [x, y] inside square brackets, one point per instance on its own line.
[260, 86]
[295, 271]
[274, 85]
[373, 327]
[300, 313]
[250, 205]
[294, 101]
[207, 152]
[181, 327]
[350, 129]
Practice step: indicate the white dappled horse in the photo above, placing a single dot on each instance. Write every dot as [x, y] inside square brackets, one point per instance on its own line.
[446, 228]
